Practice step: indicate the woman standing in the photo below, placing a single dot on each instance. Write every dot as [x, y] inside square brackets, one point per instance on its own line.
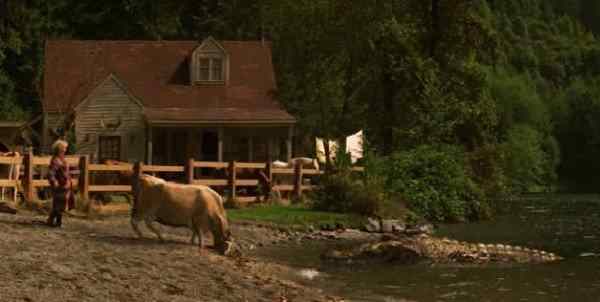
[60, 183]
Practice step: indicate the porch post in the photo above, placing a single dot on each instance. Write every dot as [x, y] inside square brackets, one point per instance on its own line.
[149, 147]
[190, 144]
[270, 149]
[250, 149]
[169, 145]
[220, 144]
[199, 136]
[288, 142]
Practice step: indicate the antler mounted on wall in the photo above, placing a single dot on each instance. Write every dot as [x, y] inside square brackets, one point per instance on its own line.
[111, 126]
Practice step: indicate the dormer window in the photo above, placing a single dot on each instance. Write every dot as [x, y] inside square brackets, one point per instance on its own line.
[210, 69]
[209, 63]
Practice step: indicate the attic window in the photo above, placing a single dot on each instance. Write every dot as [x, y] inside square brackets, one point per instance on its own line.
[210, 69]
[209, 63]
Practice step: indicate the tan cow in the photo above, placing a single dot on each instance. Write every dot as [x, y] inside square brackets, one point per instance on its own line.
[196, 207]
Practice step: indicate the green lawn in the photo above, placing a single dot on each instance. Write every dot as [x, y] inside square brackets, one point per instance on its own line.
[293, 216]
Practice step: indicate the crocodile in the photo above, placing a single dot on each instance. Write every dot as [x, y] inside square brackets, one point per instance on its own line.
[410, 249]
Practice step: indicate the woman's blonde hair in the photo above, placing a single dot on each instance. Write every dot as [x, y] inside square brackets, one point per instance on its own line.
[57, 144]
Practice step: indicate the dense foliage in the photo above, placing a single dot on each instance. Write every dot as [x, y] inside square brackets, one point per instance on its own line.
[344, 191]
[513, 84]
[435, 182]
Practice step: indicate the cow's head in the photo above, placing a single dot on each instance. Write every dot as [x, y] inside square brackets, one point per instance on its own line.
[226, 246]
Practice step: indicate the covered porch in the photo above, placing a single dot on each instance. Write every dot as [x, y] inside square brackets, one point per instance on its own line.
[174, 144]
[245, 134]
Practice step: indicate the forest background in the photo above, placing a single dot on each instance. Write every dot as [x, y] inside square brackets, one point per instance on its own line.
[460, 99]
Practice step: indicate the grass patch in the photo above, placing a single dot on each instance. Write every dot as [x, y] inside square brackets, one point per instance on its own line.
[294, 216]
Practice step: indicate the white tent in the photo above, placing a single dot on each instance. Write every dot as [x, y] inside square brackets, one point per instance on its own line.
[354, 146]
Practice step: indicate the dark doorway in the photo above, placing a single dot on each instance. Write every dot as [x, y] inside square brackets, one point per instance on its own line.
[210, 146]
[179, 147]
[210, 150]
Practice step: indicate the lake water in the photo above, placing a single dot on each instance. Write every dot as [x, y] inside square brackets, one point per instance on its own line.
[566, 225]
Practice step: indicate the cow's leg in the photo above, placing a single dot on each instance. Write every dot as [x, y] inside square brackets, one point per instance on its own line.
[134, 225]
[198, 232]
[194, 234]
[152, 227]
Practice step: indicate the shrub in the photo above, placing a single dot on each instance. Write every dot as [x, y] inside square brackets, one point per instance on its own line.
[345, 192]
[435, 183]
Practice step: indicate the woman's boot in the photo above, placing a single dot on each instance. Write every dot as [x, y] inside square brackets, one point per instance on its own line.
[50, 221]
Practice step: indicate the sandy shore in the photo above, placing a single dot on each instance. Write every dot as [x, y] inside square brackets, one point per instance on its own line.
[102, 260]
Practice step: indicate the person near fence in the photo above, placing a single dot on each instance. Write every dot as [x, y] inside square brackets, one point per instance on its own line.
[60, 183]
[264, 184]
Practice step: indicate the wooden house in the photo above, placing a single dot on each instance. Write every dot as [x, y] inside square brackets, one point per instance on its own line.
[166, 101]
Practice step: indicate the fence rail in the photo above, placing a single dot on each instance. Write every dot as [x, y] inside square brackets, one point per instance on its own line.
[8, 160]
[235, 177]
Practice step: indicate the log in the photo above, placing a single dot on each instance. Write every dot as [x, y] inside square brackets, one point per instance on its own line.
[6, 208]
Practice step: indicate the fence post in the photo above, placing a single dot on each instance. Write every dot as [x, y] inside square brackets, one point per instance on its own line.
[84, 177]
[138, 169]
[232, 178]
[189, 171]
[28, 165]
[269, 171]
[298, 180]
[269, 174]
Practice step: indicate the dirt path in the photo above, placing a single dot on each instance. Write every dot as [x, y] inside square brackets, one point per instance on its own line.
[101, 260]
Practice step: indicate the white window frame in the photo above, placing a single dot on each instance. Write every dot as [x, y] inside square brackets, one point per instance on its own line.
[211, 61]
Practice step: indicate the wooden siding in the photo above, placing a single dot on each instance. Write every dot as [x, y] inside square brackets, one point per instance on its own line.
[111, 103]
[50, 122]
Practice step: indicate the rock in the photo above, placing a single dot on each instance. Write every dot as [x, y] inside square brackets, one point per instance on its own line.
[308, 273]
[392, 226]
[326, 227]
[373, 225]
[107, 277]
[425, 228]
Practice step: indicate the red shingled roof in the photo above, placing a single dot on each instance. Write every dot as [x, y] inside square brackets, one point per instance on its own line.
[157, 74]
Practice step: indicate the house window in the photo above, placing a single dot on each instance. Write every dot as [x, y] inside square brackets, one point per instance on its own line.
[210, 69]
[216, 69]
[109, 147]
[209, 63]
[204, 69]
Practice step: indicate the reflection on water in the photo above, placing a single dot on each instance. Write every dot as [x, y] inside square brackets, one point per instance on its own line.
[566, 225]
